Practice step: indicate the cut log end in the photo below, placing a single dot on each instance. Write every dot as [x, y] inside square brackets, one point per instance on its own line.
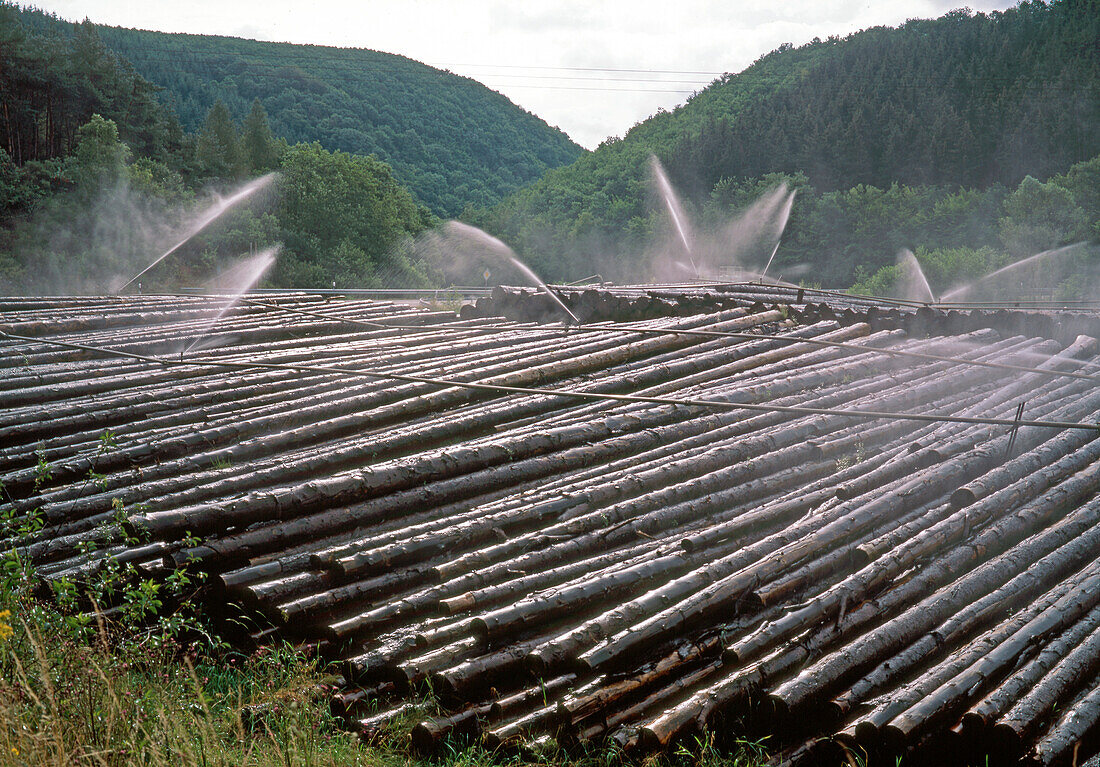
[479, 627]
[893, 738]
[963, 497]
[866, 733]
[1006, 739]
[537, 663]
[425, 736]
[781, 705]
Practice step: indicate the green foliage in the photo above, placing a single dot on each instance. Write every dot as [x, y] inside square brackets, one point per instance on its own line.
[218, 152]
[897, 137]
[946, 268]
[259, 149]
[1041, 216]
[343, 218]
[77, 697]
[100, 208]
[1083, 182]
[881, 283]
[450, 139]
[100, 158]
[51, 84]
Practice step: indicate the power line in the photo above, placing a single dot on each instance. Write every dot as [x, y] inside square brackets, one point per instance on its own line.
[585, 69]
[211, 64]
[604, 90]
[336, 60]
[599, 79]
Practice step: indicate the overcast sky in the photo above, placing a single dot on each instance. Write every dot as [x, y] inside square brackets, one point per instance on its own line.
[591, 68]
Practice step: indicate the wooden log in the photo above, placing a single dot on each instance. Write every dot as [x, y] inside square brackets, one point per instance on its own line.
[1064, 678]
[311, 423]
[371, 728]
[783, 588]
[541, 694]
[729, 579]
[410, 673]
[1055, 448]
[502, 590]
[350, 699]
[609, 585]
[606, 692]
[320, 603]
[664, 510]
[1061, 547]
[427, 734]
[463, 564]
[483, 527]
[575, 596]
[659, 731]
[483, 671]
[999, 700]
[319, 533]
[861, 585]
[871, 729]
[344, 488]
[530, 723]
[1062, 740]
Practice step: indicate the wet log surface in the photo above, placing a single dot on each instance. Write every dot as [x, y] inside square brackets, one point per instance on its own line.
[598, 569]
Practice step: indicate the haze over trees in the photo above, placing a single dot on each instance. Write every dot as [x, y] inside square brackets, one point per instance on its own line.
[97, 177]
[973, 140]
[450, 139]
[895, 138]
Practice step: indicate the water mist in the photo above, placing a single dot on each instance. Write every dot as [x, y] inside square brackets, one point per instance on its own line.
[491, 244]
[969, 287]
[912, 284]
[747, 243]
[781, 225]
[234, 283]
[675, 209]
[209, 215]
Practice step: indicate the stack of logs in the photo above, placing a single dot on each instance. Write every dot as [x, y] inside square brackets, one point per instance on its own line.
[803, 304]
[593, 570]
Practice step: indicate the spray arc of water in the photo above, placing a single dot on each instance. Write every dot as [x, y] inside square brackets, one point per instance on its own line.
[675, 210]
[916, 287]
[968, 287]
[235, 282]
[784, 217]
[496, 246]
[209, 216]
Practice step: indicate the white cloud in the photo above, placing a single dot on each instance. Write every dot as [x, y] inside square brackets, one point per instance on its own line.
[540, 54]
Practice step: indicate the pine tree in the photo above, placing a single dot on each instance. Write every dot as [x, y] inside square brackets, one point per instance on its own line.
[218, 150]
[258, 145]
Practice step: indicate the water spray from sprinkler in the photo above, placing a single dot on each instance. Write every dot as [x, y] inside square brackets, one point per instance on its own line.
[964, 289]
[496, 246]
[213, 212]
[235, 282]
[915, 285]
[784, 216]
[675, 211]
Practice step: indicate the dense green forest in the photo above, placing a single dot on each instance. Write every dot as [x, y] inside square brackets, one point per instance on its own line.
[973, 140]
[914, 137]
[97, 177]
[450, 139]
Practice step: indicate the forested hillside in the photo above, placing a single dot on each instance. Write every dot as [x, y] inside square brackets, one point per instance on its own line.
[450, 139]
[97, 178]
[882, 132]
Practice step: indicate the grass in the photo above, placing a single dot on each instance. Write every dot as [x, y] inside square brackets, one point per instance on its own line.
[74, 693]
[156, 686]
[84, 697]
